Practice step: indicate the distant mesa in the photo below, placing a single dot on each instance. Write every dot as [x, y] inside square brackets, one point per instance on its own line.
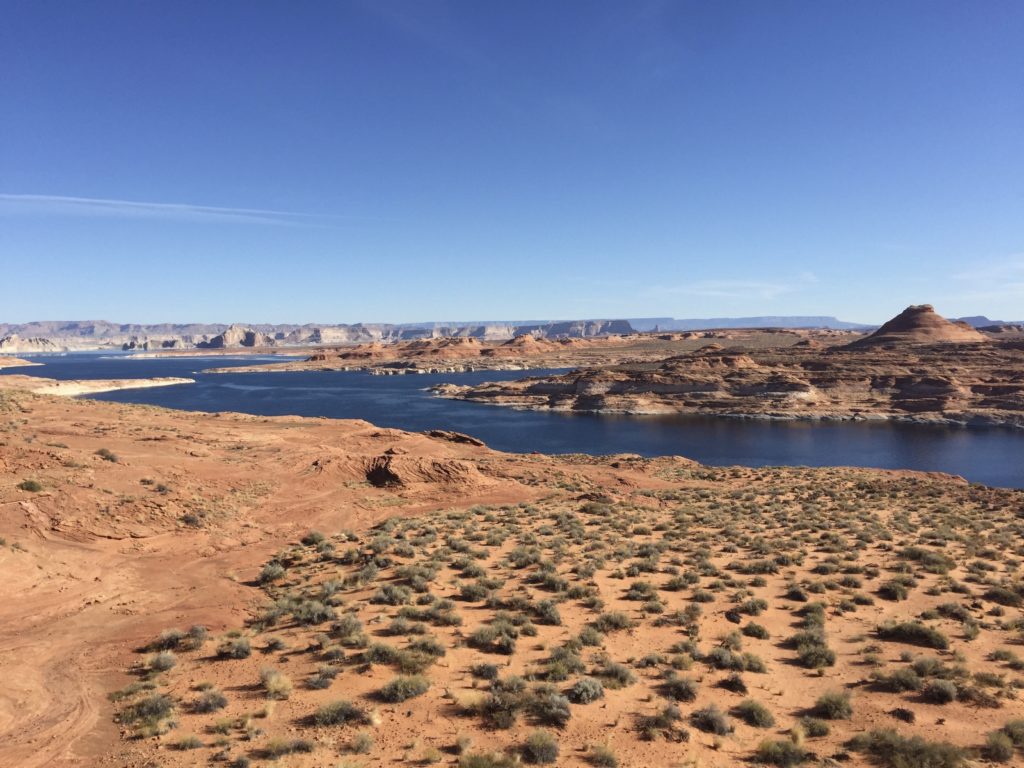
[14, 343]
[237, 336]
[920, 324]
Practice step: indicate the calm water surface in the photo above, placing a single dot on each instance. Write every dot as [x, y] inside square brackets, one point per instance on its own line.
[992, 456]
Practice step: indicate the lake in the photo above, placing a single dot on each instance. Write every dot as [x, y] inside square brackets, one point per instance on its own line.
[991, 456]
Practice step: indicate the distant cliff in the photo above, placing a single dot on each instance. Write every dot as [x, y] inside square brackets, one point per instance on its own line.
[62, 336]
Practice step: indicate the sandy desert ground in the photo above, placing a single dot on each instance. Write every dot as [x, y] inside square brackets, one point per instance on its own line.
[373, 597]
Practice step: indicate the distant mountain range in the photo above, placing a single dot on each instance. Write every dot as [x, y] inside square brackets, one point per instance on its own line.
[764, 321]
[980, 321]
[65, 335]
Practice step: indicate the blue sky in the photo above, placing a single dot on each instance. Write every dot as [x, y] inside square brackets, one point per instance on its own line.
[401, 161]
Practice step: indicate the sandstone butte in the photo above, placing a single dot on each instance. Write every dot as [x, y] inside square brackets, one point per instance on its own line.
[918, 367]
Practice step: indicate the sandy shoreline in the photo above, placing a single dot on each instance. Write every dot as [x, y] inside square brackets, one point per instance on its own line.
[15, 362]
[76, 387]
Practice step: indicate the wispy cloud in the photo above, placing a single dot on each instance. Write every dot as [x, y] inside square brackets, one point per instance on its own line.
[737, 289]
[60, 205]
[998, 279]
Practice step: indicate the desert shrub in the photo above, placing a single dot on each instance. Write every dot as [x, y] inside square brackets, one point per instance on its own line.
[32, 486]
[271, 572]
[163, 661]
[500, 709]
[940, 691]
[403, 688]
[392, 594]
[167, 640]
[794, 592]
[546, 612]
[278, 748]
[1003, 596]
[496, 637]
[307, 612]
[914, 633]
[586, 690]
[665, 723]
[712, 720]
[323, 678]
[755, 713]
[834, 705]
[540, 748]
[380, 653]
[930, 560]
[235, 648]
[485, 671]
[889, 749]
[361, 743]
[814, 728]
[428, 645]
[612, 622]
[734, 683]
[591, 637]
[998, 747]
[724, 658]
[680, 688]
[275, 684]
[905, 679]
[782, 753]
[550, 707]
[614, 675]
[811, 649]
[210, 700]
[151, 709]
[106, 454]
[601, 756]
[188, 742]
[1015, 730]
[473, 592]
[752, 629]
[339, 713]
[493, 760]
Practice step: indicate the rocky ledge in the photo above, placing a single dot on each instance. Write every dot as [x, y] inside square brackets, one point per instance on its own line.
[919, 368]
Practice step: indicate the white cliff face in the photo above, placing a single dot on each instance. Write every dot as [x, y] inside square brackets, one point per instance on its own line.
[58, 336]
[14, 343]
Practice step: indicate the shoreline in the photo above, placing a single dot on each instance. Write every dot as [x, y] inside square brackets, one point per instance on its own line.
[15, 362]
[77, 387]
[969, 421]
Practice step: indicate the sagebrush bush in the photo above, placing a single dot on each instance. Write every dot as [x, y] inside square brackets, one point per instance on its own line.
[834, 705]
[892, 750]
[540, 748]
[339, 713]
[404, 688]
[586, 690]
[755, 713]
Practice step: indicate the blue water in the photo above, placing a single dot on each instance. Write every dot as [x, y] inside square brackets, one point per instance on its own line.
[991, 456]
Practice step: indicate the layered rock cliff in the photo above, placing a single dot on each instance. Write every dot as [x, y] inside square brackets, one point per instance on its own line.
[915, 368]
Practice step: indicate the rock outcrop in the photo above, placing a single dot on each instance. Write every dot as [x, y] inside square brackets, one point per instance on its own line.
[918, 367]
[920, 325]
[237, 336]
[14, 343]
